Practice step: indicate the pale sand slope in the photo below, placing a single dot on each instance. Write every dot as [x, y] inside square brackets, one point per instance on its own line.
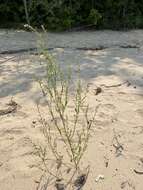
[121, 111]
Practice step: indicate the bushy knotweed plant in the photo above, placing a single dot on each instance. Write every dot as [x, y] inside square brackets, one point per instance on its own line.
[67, 127]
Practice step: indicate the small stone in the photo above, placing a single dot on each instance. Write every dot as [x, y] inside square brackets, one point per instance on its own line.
[99, 177]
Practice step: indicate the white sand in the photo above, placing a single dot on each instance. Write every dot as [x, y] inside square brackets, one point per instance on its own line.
[121, 107]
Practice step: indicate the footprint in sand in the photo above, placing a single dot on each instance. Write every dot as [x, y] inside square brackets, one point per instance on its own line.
[11, 131]
[107, 110]
[106, 114]
[140, 112]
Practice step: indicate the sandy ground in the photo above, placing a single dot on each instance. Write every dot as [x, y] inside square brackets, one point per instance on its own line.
[120, 116]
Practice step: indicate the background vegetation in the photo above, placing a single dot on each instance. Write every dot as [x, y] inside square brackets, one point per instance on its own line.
[66, 14]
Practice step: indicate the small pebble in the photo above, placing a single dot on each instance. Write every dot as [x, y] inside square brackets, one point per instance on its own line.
[99, 177]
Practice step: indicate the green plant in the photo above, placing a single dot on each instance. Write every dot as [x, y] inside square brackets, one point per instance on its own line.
[68, 126]
[62, 14]
[94, 16]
